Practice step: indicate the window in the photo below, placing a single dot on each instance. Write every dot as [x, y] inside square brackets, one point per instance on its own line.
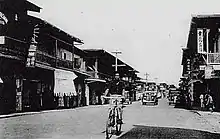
[64, 55]
[16, 17]
[77, 63]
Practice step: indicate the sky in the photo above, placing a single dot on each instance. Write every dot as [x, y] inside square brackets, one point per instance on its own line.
[149, 33]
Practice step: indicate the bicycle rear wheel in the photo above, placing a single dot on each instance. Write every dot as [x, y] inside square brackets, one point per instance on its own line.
[109, 125]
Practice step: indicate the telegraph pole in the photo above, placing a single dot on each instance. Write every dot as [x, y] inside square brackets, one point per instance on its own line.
[116, 59]
[146, 76]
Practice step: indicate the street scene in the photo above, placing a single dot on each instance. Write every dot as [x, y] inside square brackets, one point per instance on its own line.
[117, 69]
[140, 121]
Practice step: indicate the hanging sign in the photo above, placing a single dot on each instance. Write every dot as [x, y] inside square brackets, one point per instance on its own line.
[3, 19]
[33, 47]
[208, 72]
[200, 41]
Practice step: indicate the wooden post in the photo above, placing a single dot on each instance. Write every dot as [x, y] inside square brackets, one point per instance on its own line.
[73, 55]
[207, 44]
[56, 52]
[19, 89]
[96, 67]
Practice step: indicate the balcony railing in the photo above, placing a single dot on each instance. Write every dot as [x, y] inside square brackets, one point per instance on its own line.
[214, 58]
[49, 60]
[64, 63]
[45, 58]
[14, 48]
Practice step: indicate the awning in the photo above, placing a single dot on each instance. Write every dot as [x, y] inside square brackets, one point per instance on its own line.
[64, 83]
[80, 73]
[194, 81]
[92, 80]
[1, 81]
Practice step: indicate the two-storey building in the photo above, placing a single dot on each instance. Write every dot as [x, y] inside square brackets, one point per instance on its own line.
[15, 35]
[101, 65]
[201, 58]
[37, 60]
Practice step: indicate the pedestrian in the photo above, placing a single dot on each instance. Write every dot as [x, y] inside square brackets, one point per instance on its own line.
[210, 104]
[202, 101]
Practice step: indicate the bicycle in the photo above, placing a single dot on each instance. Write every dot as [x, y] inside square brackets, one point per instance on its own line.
[114, 115]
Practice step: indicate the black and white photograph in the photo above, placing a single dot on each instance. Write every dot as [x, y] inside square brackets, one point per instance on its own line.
[109, 69]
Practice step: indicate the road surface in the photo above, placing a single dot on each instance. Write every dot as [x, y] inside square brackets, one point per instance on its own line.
[141, 122]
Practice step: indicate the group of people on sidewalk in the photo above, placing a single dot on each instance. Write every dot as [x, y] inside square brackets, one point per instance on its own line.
[206, 102]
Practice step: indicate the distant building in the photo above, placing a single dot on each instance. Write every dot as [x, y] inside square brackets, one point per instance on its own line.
[100, 64]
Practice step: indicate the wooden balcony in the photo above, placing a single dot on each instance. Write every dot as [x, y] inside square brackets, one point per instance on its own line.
[45, 59]
[64, 63]
[213, 58]
[13, 48]
[16, 49]
[49, 60]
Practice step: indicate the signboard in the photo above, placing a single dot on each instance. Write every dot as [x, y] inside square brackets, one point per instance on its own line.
[208, 72]
[33, 47]
[2, 39]
[200, 44]
[3, 19]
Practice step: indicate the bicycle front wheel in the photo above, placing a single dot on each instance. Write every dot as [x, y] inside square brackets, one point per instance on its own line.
[118, 124]
[109, 125]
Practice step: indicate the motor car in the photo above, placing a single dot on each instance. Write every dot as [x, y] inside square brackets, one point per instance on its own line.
[128, 101]
[181, 101]
[149, 98]
[172, 96]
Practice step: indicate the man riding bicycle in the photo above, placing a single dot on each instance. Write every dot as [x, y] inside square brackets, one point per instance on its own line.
[116, 89]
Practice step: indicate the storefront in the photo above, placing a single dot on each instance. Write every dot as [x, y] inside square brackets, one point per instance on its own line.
[10, 70]
[64, 88]
[96, 90]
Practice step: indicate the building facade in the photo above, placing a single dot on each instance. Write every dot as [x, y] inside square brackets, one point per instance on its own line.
[41, 68]
[201, 58]
[101, 65]
[37, 60]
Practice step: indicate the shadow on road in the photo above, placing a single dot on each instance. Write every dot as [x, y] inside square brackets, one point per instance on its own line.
[150, 132]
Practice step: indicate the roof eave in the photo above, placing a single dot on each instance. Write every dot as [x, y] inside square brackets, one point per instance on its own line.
[32, 7]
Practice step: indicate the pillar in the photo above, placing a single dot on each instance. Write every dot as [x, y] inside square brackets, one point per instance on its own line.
[96, 68]
[192, 93]
[87, 94]
[19, 89]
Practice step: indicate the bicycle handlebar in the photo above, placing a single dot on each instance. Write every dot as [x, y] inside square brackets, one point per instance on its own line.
[116, 97]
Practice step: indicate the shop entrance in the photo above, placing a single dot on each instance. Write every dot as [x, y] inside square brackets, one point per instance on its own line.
[31, 97]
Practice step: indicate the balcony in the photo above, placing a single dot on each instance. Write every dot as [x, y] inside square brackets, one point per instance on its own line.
[13, 48]
[213, 58]
[64, 63]
[45, 58]
[49, 60]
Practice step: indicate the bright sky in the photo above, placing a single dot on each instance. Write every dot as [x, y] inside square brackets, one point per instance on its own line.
[149, 33]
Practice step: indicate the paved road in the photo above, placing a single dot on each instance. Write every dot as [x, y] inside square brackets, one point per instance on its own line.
[162, 121]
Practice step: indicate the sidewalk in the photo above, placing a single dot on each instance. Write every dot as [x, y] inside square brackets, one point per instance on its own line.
[56, 110]
[46, 111]
[213, 118]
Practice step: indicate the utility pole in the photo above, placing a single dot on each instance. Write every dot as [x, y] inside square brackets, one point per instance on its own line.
[146, 74]
[116, 59]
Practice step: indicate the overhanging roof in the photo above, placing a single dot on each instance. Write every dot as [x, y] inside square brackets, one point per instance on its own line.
[211, 21]
[56, 30]
[17, 5]
[32, 7]
[92, 80]
[110, 57]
